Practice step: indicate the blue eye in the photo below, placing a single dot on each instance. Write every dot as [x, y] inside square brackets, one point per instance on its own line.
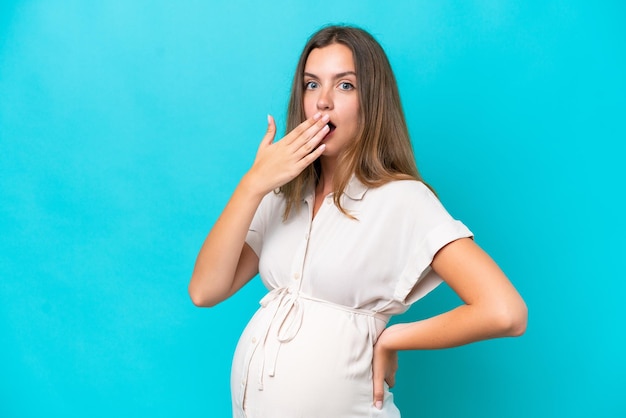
[310, 85]
[346, 86]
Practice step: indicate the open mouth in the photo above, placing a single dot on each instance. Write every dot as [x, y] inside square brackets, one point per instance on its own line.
[331, 126]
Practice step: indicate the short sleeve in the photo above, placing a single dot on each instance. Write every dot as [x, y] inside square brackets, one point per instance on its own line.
[433, 229]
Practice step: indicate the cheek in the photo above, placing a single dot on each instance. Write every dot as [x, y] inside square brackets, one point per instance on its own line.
[309, 107]
[355, 114]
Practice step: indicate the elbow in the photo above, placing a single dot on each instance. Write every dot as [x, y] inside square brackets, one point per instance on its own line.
[512, 321]
[519, 320]
[196, 297]
[199, 301]
[522, 322]
[199, 297]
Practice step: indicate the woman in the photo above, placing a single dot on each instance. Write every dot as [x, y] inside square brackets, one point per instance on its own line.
[344, 234]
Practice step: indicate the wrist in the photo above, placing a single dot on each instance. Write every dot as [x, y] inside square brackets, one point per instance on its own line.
[252, 186]
[390, 339]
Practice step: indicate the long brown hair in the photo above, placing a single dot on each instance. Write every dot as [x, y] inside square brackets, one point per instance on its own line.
[382, 151]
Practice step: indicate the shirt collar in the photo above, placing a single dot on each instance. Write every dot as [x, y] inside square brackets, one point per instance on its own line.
[355, 190]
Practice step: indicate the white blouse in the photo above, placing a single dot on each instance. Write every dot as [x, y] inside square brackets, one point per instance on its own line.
[334, 282]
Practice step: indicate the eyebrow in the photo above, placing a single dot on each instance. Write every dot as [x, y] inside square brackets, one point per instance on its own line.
[339, 75]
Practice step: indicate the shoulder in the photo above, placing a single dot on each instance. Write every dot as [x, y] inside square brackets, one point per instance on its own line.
[404, 191]
[271, 204]
[274, 197]
[406, 199]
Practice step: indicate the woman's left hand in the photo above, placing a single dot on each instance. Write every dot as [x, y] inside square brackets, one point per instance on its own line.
[384, 367]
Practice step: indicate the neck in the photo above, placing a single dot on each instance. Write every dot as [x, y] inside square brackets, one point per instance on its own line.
[325, 183]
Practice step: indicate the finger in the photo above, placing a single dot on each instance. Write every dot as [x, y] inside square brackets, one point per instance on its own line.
[391, 380]
[313, 130]
[378, 380]
[309, 158]
[303, 127]
[270, 134]
[379, 392]
[310, 145]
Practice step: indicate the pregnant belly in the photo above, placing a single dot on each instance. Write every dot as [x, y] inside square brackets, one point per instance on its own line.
[306, 358]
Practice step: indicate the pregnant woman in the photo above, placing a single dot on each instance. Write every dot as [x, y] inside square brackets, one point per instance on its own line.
[344, 234]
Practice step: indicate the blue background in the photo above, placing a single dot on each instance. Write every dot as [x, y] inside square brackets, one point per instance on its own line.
[125, 125]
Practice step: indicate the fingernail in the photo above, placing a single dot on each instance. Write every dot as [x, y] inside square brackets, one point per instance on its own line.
[326, 118]
[269, 118]
[317, 115]
[379, 405]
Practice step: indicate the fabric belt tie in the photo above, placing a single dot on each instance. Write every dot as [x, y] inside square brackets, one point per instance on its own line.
[287, 317]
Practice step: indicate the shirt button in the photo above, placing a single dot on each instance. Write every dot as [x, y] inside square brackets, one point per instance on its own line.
[253, 340]
[296, 276]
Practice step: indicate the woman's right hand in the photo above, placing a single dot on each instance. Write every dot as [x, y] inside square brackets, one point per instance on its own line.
[277, 163]
[225, 263]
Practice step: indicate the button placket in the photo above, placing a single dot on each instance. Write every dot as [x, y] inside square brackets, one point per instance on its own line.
[298, 263]
[297, 267]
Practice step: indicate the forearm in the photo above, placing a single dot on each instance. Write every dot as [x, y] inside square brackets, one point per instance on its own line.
[224, 263]
[462, 325]
[492, 306]
[217, 261]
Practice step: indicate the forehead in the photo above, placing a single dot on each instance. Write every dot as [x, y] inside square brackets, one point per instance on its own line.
[334, 58]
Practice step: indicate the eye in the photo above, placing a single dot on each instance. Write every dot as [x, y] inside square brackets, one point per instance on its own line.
[310, 85]
[346, 86]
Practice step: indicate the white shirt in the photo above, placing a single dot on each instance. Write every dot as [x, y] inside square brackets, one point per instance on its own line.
[334, 282]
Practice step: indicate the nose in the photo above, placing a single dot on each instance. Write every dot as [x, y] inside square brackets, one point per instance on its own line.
[325, 99]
